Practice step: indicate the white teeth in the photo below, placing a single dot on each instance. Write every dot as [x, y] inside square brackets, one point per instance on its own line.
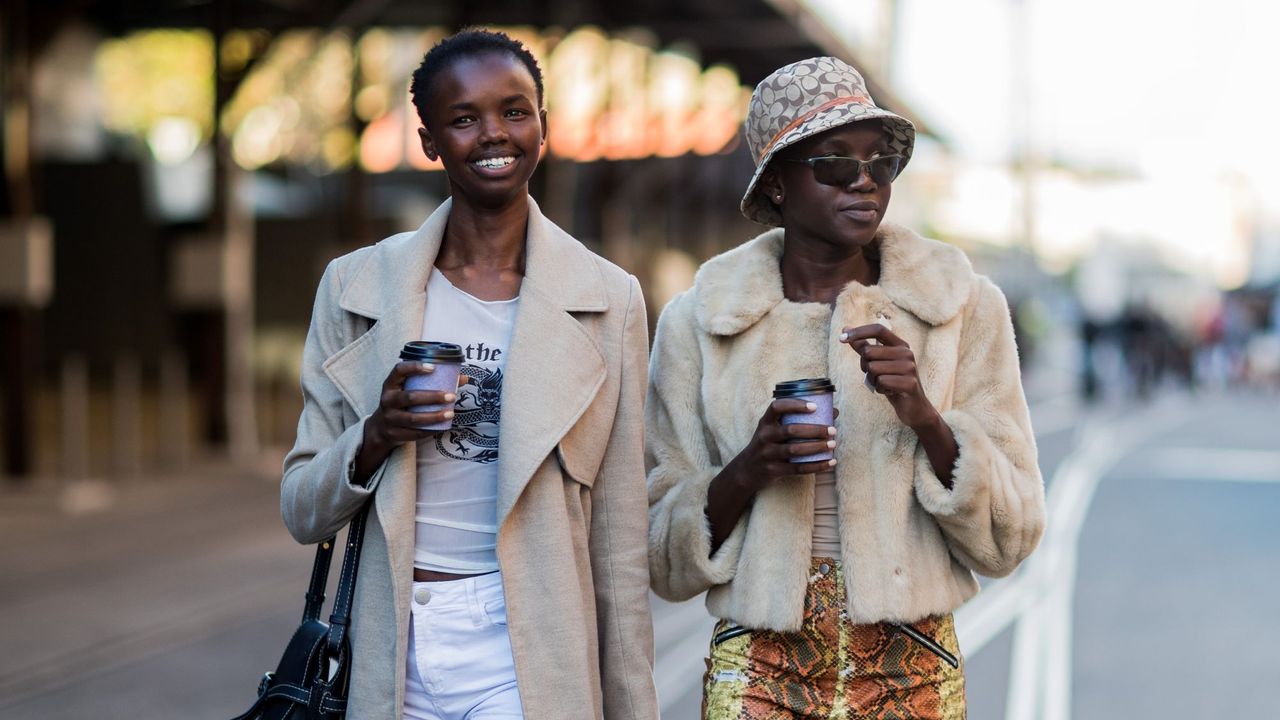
[493, 163]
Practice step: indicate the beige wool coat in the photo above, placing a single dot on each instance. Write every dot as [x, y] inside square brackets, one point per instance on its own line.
[909, 546]
[571, 492]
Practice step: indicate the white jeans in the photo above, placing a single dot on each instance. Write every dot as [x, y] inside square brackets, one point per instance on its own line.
[460, 665]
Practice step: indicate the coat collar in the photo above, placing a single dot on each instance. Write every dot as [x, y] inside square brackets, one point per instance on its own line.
[925, 277]
[556, 266]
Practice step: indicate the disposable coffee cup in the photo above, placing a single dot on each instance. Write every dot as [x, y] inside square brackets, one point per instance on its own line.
[821, 393]
[447, 359]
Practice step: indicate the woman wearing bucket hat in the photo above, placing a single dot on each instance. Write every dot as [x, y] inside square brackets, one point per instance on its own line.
[835, 580]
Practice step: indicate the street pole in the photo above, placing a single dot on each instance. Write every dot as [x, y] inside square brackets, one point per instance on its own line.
[18, 316]
[1020, 103]
[233, 218]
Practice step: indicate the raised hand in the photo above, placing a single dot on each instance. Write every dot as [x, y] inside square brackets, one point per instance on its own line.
[890, 366]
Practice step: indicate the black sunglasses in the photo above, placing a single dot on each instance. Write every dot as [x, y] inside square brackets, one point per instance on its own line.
[841, 171]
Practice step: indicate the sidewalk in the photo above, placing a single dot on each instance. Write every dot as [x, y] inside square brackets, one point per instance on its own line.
[105, 579]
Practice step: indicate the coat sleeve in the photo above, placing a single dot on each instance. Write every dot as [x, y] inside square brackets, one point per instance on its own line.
[618, 528]
[317, 495]
[681, 466]
[993, 516]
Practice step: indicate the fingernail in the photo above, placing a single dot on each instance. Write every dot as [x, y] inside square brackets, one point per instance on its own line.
[450, 397]
[831, 443]
[448, 414]
[831, 430]
[810, 407]
[832, 461]
[844, 337]
[428, 366]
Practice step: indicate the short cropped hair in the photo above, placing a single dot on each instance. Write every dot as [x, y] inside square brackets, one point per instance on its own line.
[467, 43]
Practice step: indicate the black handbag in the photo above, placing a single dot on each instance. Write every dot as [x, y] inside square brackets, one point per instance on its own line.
[312, 680]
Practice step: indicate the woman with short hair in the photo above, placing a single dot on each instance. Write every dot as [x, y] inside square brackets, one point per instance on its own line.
[503, 563]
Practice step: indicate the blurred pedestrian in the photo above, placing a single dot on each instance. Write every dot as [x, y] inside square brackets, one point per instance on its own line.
[504, 562]
[834, 581]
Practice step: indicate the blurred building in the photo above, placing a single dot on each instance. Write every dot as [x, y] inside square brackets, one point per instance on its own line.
[178, 173]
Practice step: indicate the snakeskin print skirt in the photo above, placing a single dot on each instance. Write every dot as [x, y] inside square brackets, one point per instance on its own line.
[833, 669]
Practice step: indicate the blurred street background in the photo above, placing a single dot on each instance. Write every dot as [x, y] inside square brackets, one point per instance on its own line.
[178, 172]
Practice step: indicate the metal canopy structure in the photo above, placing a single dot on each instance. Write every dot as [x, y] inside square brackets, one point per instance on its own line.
[753, 36]
[624, 205]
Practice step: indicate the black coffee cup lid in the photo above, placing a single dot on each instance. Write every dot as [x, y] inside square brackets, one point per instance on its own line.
[427, 351]
[799, 388]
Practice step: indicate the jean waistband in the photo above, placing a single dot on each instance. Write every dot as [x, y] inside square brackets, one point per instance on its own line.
[458, 592]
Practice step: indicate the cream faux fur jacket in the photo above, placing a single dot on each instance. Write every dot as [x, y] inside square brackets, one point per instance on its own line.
[909, 546]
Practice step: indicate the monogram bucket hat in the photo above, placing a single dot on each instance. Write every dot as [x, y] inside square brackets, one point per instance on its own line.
[801, 100]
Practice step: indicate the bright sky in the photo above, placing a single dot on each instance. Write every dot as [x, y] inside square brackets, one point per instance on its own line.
[1180, 93]
[1135, 84]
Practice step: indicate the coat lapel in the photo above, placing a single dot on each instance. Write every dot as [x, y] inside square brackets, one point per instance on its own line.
[555, 368]
[390, 289]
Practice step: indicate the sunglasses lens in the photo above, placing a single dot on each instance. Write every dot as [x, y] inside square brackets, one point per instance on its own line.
[843, 171]
[835, 170]
[885, 169]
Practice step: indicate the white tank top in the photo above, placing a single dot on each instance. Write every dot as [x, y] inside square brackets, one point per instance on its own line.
[456, 529]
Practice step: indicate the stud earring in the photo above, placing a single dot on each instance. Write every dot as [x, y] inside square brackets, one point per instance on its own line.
[777, 198]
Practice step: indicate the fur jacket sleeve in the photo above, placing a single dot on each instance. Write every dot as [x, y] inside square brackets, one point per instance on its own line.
[993, 515]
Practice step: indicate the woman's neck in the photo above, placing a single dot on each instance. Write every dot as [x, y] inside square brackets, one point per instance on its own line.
[483, 250]
[485, 239]
[814, 272]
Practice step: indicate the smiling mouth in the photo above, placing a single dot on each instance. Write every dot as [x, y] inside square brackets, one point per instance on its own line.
[495, 163]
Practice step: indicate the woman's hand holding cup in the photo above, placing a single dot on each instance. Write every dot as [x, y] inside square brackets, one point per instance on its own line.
[416, 401]
[769, 455]
[795, 436]
[403, 415]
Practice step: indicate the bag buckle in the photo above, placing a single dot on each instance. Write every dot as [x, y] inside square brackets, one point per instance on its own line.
[266, 681]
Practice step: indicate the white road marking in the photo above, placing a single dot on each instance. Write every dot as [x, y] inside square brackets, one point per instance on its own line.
[1040, 597]
[979, 621]
[1040, 677]
[1000, 604]
[1211, 463]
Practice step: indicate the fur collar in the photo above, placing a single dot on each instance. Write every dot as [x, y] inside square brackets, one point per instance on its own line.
[925, 277]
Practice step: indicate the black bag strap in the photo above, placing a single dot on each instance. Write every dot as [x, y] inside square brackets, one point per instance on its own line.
[319, 699]
[319, 578]
[298, 695]
[341, 617]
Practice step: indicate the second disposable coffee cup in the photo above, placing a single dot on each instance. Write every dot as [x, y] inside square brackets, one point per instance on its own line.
[447, 359]
[820, 392]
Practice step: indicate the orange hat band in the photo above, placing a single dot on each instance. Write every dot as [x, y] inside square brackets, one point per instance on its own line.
[861, 99]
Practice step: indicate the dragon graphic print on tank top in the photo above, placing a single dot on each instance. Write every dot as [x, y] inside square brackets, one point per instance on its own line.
[474, 436]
